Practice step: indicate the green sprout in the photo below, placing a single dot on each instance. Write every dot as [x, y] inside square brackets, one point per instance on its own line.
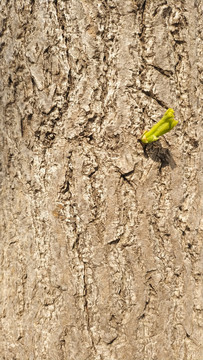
[162, 127]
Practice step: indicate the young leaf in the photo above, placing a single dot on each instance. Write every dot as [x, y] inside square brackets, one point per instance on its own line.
[162, 127]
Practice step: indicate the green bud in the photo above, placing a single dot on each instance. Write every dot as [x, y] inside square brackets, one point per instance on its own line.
[162, 127]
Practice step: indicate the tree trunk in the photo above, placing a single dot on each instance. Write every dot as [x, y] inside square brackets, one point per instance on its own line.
[101, 236]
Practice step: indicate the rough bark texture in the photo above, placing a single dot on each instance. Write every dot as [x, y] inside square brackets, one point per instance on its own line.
[101, 238]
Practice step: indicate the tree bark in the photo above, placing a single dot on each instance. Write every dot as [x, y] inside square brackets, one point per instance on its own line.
[101, 236]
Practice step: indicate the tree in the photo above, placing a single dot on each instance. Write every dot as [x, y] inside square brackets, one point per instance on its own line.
[101, 236]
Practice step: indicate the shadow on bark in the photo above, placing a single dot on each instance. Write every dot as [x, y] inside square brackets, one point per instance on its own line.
[159, 154]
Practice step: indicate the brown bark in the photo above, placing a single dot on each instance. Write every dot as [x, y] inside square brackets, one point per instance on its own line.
[101, 238]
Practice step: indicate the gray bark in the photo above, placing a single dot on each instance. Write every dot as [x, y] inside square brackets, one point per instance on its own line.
[100, 249]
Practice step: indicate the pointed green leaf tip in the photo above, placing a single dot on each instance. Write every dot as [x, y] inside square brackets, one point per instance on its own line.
[162, 127]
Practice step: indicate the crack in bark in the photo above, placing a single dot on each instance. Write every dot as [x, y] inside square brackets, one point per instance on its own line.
[167, 73]
[151, 95]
